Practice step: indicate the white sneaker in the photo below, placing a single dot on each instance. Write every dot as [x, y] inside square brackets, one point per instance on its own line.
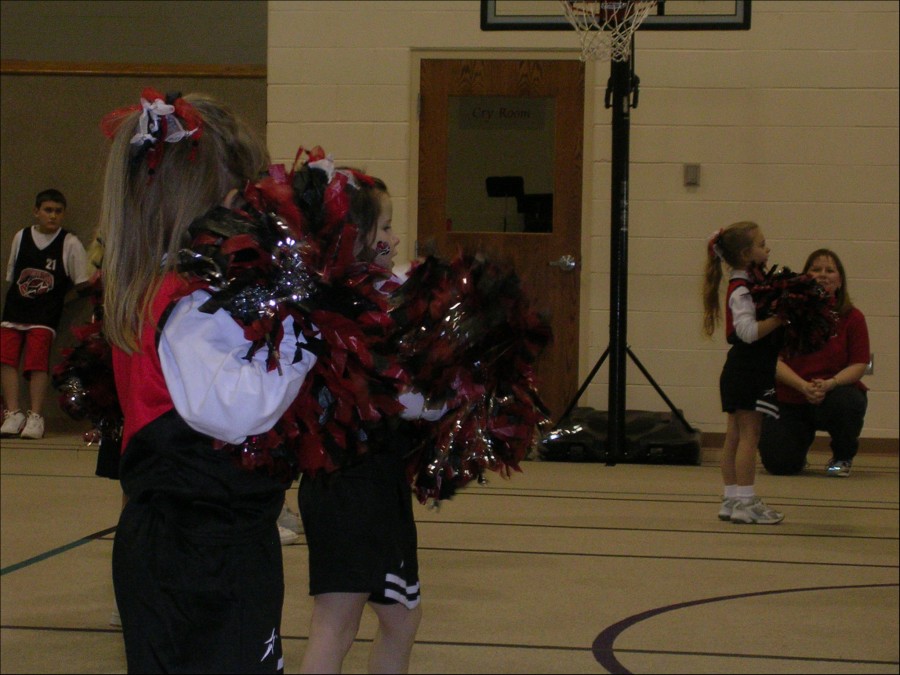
[290, 520]
[727, 508]
[755, 511]
[287, 536]
[13, 423]
[114, 619]
[34, 426]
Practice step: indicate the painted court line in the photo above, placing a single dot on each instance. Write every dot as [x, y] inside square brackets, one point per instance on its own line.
[56, 551]
[604, 651]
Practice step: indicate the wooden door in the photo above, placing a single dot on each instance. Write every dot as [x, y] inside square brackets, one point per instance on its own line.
[535, 255]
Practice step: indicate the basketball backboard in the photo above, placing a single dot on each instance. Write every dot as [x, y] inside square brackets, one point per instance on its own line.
[668, 15]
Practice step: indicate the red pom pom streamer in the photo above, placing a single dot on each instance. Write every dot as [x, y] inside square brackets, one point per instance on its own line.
[461, 332]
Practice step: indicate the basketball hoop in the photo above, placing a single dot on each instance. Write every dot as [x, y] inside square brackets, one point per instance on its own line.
[605, 28]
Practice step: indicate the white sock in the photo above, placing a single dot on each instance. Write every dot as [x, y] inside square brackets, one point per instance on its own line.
[730, 491]
[745, 493]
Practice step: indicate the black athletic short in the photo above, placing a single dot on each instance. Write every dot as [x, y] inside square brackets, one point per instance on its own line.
[197, 566]
[109, 454]
[748, 390]
[361, 532]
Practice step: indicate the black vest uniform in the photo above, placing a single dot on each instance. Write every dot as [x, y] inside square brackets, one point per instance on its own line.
[39, 283]
[761, 355]
[747, 381]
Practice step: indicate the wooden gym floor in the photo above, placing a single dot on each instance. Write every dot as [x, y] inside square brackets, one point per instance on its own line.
[565, 568]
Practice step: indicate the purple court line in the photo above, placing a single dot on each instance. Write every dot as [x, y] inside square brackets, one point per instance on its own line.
[603, 643]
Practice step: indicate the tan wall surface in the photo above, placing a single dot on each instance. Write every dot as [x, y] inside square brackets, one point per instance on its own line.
[50, 122]
[163, 31]
[794, 123]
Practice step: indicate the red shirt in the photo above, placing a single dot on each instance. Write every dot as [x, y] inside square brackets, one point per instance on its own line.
[849, 345]
[142, 389]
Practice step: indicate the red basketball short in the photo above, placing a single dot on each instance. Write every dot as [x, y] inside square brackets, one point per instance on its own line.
[34, 342]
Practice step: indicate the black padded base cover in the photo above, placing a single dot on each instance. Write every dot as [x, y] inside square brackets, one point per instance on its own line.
[650, 438]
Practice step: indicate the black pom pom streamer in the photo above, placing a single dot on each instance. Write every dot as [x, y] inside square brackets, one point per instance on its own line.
[806, 310]
[469, 339]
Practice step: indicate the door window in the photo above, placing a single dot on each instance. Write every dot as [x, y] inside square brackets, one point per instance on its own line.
[500, 164]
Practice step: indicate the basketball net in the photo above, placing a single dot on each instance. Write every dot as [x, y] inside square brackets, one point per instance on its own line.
[605, 28]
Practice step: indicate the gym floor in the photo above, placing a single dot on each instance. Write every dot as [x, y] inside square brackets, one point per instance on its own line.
[564, 568]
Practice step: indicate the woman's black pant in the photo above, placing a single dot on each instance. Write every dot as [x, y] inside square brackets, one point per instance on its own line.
[784, 442]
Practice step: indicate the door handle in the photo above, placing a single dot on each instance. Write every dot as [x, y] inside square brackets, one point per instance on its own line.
[566, 263]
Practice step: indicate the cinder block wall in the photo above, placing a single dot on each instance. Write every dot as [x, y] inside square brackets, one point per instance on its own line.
[794, 124]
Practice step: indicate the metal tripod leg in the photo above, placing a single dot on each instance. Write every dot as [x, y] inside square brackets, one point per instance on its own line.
[646, 374]
[584, 386]
[659, 390]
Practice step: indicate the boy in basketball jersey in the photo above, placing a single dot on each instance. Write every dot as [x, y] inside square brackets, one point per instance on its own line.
[45, 262]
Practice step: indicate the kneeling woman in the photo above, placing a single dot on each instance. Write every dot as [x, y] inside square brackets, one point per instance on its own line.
[821, 391]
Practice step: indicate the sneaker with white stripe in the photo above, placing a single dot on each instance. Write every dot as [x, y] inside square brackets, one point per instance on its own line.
[839, 468]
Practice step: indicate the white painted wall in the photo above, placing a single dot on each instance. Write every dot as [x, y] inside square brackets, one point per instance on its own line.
[795, 124]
